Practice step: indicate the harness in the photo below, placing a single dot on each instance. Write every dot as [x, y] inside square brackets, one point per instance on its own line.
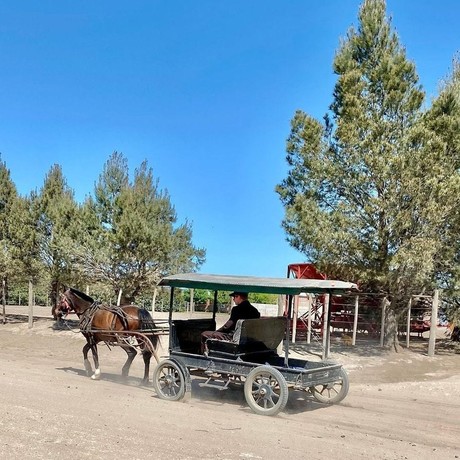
[87, 316]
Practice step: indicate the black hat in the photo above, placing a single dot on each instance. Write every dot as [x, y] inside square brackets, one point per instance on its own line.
[243, 294]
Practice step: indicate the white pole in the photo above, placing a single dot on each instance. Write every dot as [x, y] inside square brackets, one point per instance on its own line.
[409, 308]
[119, 297]
[31, 301]
[434, 325]
[382, 324]
[281, 307]
[310, 302]
[355, 320]
[192, 302]
[326, 327]
[154, 298]
[294, 317]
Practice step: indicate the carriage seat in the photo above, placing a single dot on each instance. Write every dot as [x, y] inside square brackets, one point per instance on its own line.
[252, 338]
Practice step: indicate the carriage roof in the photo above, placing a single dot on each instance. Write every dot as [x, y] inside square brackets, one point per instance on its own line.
[292, 286]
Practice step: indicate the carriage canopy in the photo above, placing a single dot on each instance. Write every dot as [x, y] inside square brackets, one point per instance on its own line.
[289, 286]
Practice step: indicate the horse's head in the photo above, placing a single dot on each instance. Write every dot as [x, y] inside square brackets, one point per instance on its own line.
[72, 300]
[63, 307]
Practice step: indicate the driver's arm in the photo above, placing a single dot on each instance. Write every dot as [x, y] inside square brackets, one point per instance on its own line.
[228, 325]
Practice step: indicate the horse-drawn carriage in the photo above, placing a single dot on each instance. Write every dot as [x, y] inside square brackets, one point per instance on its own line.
[251, 357]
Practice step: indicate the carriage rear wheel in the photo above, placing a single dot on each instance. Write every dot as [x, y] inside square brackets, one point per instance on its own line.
[169, 381]
[266, 390]
[333, 392]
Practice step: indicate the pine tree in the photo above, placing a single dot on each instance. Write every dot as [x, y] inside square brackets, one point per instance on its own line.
[132, 232]
[360, 196]
[55, 213]
[8, 196]
[442, 128]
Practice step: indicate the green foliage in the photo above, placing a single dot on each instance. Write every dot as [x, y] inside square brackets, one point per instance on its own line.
[370, 192]
[131, 237]
[24, 240]
[55, 213]
[8, 197]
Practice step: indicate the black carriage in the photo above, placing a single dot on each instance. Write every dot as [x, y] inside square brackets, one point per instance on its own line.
[251, 357]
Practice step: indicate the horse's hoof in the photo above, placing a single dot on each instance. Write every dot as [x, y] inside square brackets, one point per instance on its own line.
[88, 368]
[96, 375]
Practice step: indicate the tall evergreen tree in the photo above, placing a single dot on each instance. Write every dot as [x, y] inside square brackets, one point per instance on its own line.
[24, 241]
[57, 227]
[131, 239]
[8, 196]
[355, 197]
[442, 128]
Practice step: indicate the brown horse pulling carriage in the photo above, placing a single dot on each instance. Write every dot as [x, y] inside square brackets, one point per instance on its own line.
[128, 326]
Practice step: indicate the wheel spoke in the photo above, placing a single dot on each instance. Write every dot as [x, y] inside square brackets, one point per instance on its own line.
[332, 392]
[169, 381]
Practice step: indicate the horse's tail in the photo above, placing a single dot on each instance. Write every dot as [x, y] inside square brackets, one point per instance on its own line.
[147, 323]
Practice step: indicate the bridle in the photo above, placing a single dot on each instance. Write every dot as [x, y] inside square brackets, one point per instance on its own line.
[66, 305]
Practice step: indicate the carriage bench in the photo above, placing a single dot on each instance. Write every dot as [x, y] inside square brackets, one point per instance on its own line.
[253, 339]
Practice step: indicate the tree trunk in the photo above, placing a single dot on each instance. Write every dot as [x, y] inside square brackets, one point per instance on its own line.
[54, 296]
[4, 298]
[391, 329]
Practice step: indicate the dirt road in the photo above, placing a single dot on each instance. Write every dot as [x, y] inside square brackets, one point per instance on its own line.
[404, 406]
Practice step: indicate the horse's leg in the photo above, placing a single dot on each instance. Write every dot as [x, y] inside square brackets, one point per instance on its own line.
[97, 371]
[146, 355]
[131, 352]
[88, 368]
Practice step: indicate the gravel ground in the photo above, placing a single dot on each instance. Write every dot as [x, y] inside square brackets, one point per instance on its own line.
[400, 406]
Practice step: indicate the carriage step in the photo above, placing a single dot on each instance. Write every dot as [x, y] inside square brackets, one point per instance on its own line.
[210, 383]
[214, 385]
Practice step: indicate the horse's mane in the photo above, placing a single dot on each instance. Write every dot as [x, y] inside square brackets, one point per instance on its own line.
[82, 295]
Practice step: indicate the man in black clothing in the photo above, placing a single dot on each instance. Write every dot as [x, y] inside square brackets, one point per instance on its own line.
[242, 310]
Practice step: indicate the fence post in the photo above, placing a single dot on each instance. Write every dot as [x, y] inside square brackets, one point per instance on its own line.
[294, 318]
[382, 324]
[355, 320]
[310, 312]
[192, 301]
[409, 308]
[433, 325]
[4, 299]
[154, 298]
[326, 331]
[31, 306]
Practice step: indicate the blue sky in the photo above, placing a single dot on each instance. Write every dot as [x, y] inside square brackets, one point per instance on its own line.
[204, 90]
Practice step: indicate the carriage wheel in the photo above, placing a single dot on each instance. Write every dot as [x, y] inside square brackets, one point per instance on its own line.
[266, 390]
[334, 392]
[169, 381]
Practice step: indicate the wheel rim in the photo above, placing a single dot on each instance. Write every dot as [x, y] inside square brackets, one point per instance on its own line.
[329, 391]
[266, 390]
[332, 392]
[169, 381]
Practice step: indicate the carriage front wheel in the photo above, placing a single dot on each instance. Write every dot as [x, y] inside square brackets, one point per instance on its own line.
[169, 381]
[266, 390]
[333, 392]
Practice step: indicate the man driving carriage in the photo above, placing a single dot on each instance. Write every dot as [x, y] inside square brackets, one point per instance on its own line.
[242, 310]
